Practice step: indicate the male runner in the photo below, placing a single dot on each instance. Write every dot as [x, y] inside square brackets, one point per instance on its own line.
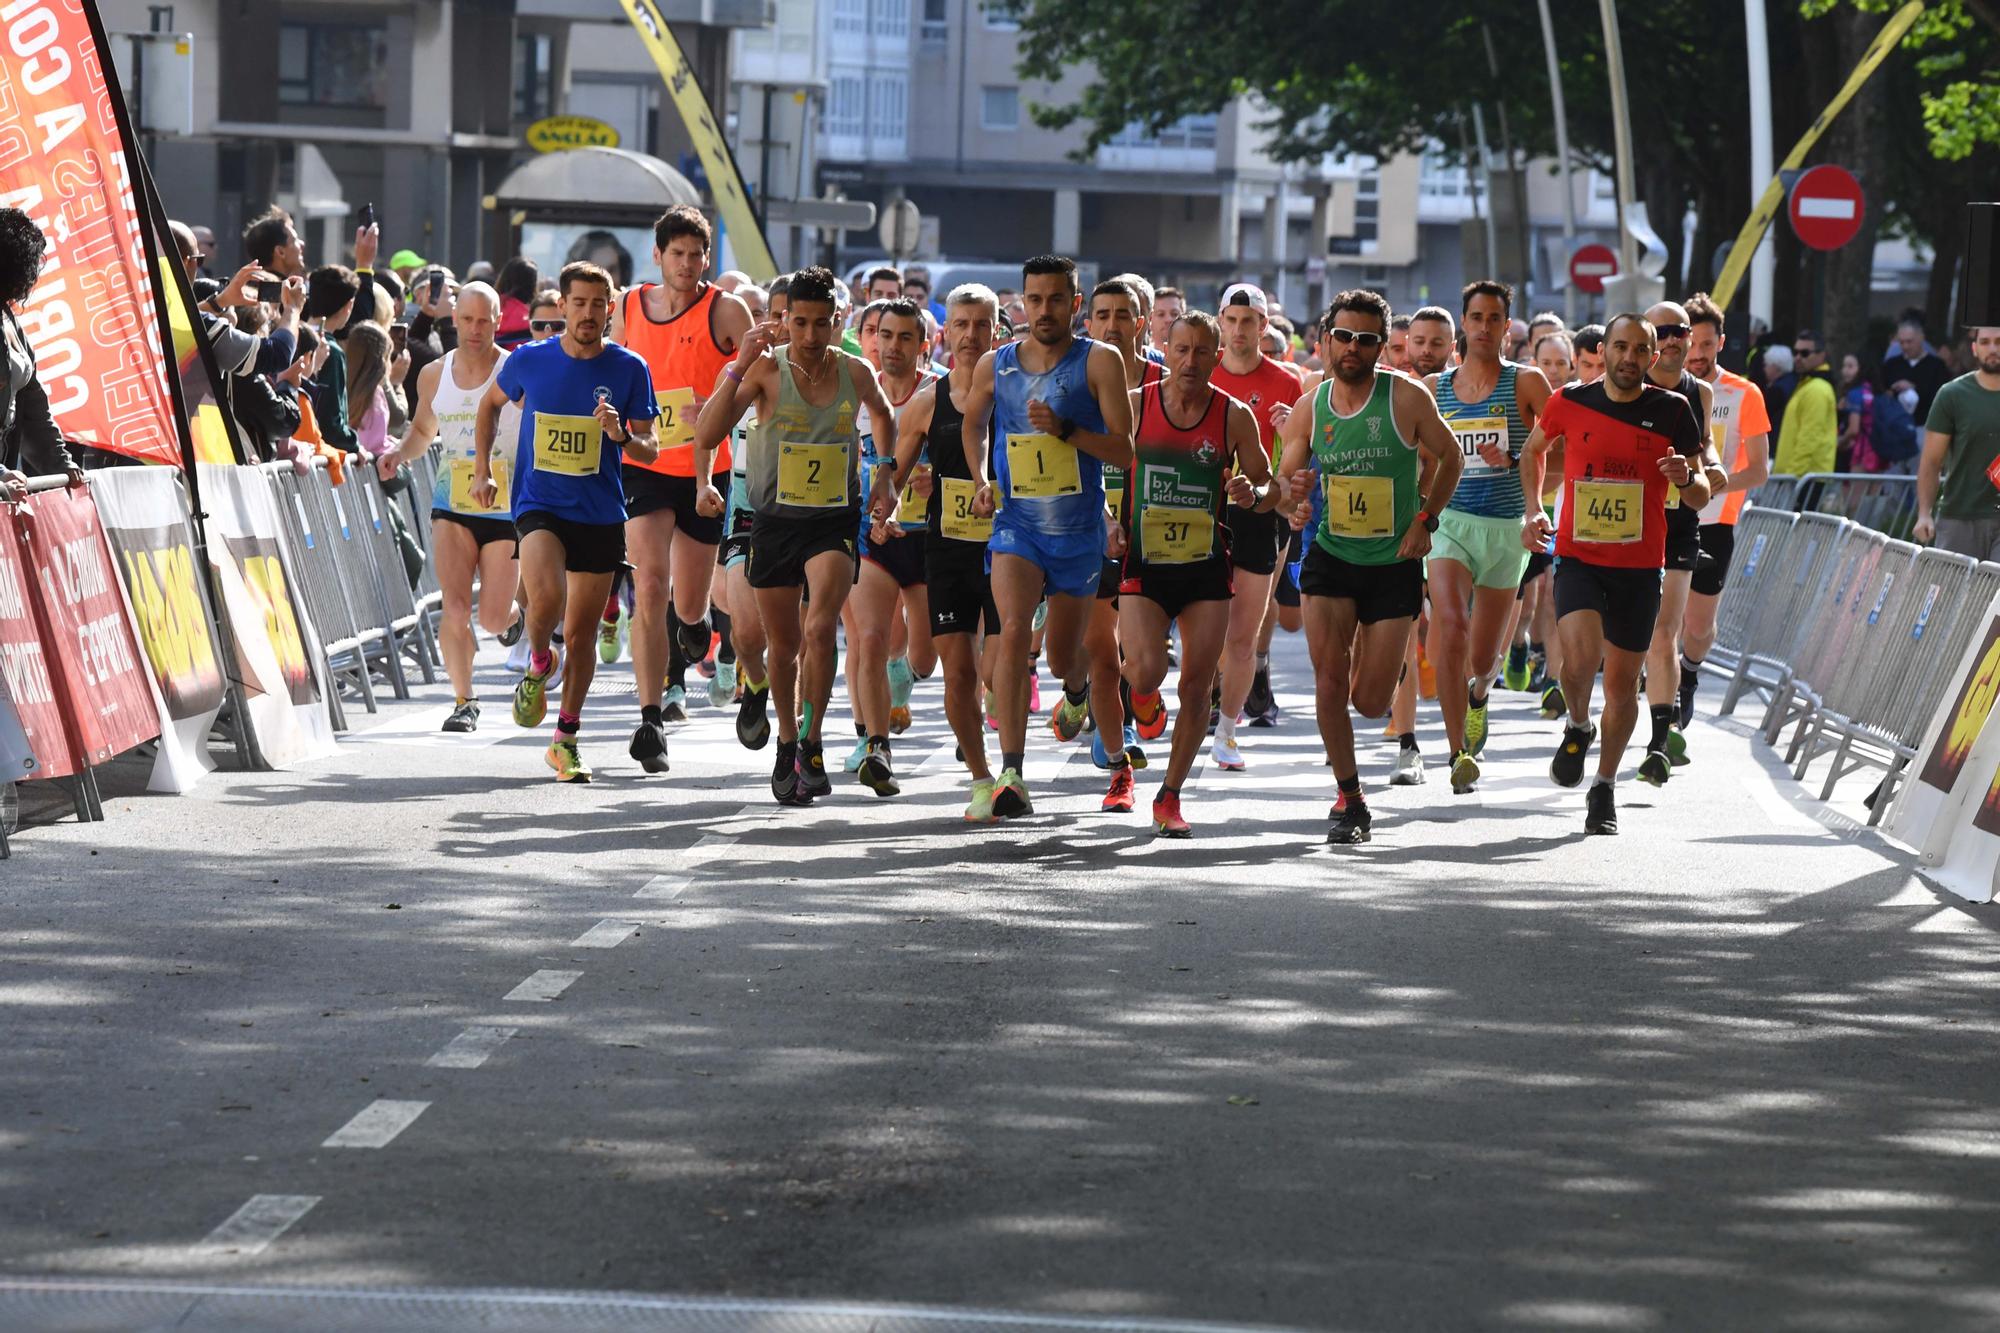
[1590, 353]
[1194, 448]
[1433, 341]
[1169, 303]
[884, 283]
[1433, 348]
[1396, 355]
[746, 626]
[805, 485]
[1476, 557]
[585, 405]
[1741, 429]
[1059, 415]
[468, 538]
[686, 329]
[1667, 747]
[1257, 537]
[1368, 434]
[1626, 443]
[960, 599]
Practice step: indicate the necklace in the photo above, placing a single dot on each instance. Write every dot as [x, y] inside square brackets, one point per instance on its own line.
[825, 360]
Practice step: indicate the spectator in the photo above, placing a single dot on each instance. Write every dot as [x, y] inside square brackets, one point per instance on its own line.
[373, 387]
[309, 441]
[272, 242]
[480, 270]
[330, 295]
[30, 444]
[1809, 440]
[546, 320]
[404, 263]
[517, 284]
[1779, 379]
[1857, 419]
[1913, 372]
[1961, 446]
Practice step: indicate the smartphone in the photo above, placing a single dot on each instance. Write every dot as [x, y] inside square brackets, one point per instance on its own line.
[437, 288]
[367, 215]
[399, 337]
[270, 291]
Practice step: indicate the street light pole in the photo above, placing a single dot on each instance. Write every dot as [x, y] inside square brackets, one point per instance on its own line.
[1562, 155]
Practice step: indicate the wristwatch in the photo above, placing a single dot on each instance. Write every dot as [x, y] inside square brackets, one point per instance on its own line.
[1428, 519]
[1067, 429]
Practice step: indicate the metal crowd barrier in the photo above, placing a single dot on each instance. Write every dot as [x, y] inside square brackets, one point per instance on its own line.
[1813, 659]
[1883, 501]
[1750, 570]
[1799, 568]
[409, 629]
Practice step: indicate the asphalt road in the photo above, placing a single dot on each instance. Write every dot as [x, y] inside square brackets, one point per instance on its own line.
[417, 1017]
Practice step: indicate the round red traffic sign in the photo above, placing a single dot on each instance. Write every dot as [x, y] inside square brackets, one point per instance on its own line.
[1591, 265]
[1827, 207]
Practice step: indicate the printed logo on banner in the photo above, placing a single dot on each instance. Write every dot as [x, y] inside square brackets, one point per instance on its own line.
[1969, 712]
[173, 625]
[264, 576]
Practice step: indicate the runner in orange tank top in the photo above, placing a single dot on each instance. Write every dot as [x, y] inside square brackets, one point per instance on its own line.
[687, 330]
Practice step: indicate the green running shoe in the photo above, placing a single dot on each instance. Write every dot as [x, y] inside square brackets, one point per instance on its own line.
[901, 681]
[1516, 675]
[1677, 748]
[562, 756]
[1010, 796]
[531, 699]
[1475, 726]
[1066, 719]
[980, 809]
[607, 640]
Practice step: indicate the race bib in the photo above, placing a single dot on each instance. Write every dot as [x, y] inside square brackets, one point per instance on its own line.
[913, 510]
[812, 476]
[1609, 512]
[1170, 536]
[678, 410]
[461, 487]
[1473, 432]
[1041, 467]
[955, 517]
[1361, 506]
[569, 445]
[1114, 491]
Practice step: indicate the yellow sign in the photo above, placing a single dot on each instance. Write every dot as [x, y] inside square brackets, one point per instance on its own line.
[725, 183]
[552, 134]
[1773, 197]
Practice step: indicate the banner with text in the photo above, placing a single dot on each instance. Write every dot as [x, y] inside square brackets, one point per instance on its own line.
[24, 668]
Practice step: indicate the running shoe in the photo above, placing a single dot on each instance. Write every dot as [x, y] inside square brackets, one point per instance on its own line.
[1133, 751]
[512, 634]
[1353, 825]
[813, 779]
[1538, 672]
[607, 639]
[876, 773]
[1167, 821]
[1677, 748]
[517, 654]
[1259, 700]
[753, 720]
[695, 637]
[1409, 769]
[1427, 676]
[992, 721]
[1464, 772]
[1566, 769]
[1154, 726]
[1010, 796]
[899, 719]
[1475, 725]
[1600, 810]
[464, 718]
[673, 704]
[852, 764]
[1119, 799]
[649, 747]
[531, 700]
[1553, 703]
[785, 775]
[901, 681]
[1225, 756]
[1270, 717]
[563, 757]
[722, 690]
[980, 809]
[1655, 769]
[1690, 682]
[1041, 616]
[1516, 675]
[1034, 693]
[1066, 720]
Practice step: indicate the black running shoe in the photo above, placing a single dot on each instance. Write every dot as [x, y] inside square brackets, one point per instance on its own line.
[1259, 700]
[464, 718]
[753, 718]
[694, 638]
[1655, 769]
[876, 774]
[649, 747]
[1351, 826]
[813, 780]
[785, 774]
[1566, 769]
[512, 634]
[1690, 681]
[1600, 810]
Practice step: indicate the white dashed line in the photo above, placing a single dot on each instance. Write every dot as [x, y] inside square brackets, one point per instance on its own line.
[471, 1048]
[605, 935]
[665, 886]
[257, 1223]
[710, 845]
[376, 1124]
[543, 986]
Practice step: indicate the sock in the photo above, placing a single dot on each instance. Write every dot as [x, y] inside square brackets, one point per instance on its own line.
[1263, 663]
[650, 714]
[1117, 761]
[1077, 697]
[755, 686]
[541, 663]
[1608, 783]
[677, 663]
[727, 652]
[461, 700]
[1518, 655]
[1475, 698]
[1663, 718]
[1012, 759]
[1406, 740]
[568, 723]
[861, 730]
[1165, 790]
[1537, 649]
[1350, 788]
[1225, 730]
[1690, 665]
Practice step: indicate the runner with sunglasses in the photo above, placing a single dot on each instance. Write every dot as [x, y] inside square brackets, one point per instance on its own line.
[1369, 434]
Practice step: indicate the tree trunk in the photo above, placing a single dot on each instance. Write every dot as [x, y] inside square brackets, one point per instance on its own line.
[1948, 248]
[1858, 142]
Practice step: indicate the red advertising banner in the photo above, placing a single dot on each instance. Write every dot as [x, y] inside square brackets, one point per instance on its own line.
[63, 162]
[98, 666]
[23, 668]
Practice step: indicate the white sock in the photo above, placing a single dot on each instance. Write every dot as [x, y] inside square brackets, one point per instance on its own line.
[1603, 781]
[1226, 729]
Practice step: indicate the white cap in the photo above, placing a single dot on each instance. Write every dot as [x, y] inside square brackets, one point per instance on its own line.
[1243, 293]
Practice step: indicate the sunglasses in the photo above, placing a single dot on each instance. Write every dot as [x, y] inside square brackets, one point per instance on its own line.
[1670, 331]
[1805, 351]
[1356, 336]
[548, 325]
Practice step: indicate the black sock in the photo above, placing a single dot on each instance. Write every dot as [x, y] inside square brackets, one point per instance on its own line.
[1689, 665]
[1475, 698]
[1165, 790]
[727, 652]
[1663, 718]
[861, 730]
[879, 743]
[1538, 649]
[1012, 759]
[1077, 697]
[1350, 787]
[1406, 740]
[677, 663]
[650, 713]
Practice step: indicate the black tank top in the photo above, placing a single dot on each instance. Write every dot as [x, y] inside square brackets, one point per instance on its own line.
[947, 447]
[1683, 521]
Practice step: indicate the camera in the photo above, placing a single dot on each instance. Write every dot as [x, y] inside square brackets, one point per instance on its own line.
[270, 290]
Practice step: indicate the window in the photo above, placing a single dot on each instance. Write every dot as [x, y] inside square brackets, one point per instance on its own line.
[846, 107]
[1001, 15]
[1443, 179]
[937, 17]
[850, 16]
[889, 102]
[534, 75]
[1000, 108]
[333, 64]
[1187, 132]
[1368, 209]
[892, 18]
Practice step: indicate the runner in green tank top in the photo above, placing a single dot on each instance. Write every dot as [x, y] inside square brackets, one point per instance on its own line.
[1370, 436]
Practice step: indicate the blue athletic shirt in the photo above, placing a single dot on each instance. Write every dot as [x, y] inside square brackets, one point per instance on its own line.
[1071, 502]
[1483, 489]
[558, 394]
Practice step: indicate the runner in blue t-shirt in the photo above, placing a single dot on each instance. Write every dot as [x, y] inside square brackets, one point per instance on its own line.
[569, 506]
[1060, 416]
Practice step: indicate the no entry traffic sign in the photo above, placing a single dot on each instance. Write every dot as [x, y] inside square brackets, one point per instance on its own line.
[1827, 207]
[1591, 265]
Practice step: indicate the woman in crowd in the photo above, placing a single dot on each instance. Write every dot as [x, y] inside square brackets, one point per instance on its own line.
[30, 444]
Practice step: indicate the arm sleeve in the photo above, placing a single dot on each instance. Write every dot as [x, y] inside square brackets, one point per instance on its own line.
[640, 403]
[509, 377]
[278, 350]
[1941, 417]
[1756, 417]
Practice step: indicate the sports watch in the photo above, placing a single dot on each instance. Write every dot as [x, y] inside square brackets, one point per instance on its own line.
[1428, 519]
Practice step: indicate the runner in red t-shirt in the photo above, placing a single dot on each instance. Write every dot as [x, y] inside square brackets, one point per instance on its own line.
[1625, 443]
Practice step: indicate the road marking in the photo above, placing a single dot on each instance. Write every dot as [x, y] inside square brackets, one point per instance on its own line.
[471, 1048]
[257, 1223]
[711, 844]
[376, 1125]
[605, 935]
[665, 886]
[543, 986]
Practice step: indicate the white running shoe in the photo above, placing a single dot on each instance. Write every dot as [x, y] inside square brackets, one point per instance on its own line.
[1224, 755]
[517, 656]
[1409, 769]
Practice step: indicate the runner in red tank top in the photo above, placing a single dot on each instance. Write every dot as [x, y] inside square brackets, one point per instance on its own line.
[687, 331]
